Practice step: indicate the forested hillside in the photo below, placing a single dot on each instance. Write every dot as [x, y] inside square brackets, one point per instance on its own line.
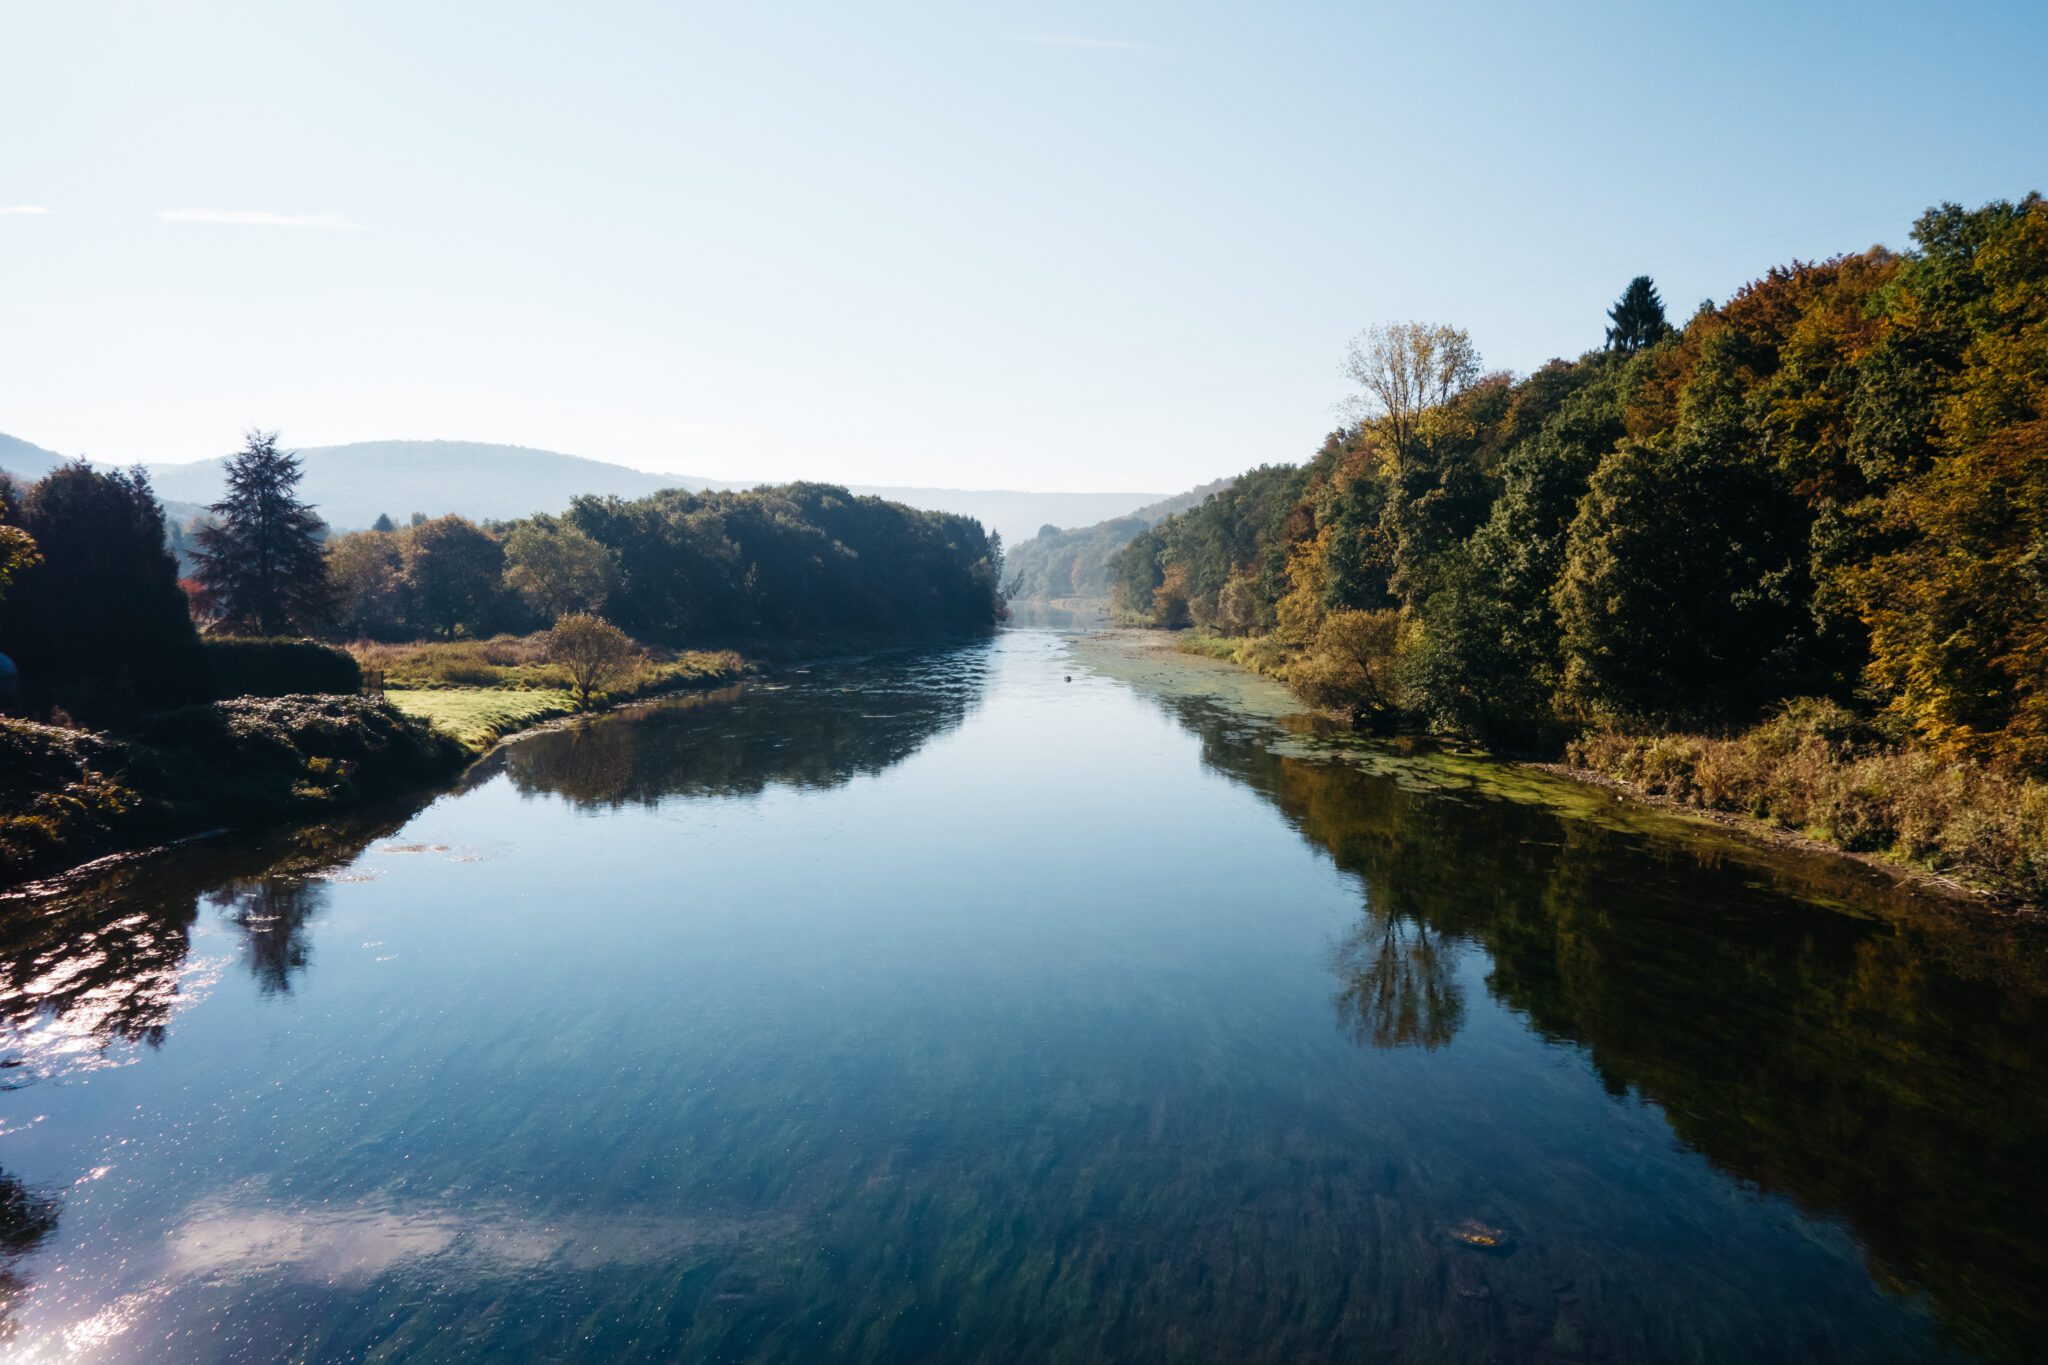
[1832, 487]
[1059, 563]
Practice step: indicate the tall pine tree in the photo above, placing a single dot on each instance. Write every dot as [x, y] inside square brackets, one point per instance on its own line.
[1638, 318]
[261, 567]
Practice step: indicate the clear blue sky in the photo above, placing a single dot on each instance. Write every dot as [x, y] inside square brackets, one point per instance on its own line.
[1103, 246]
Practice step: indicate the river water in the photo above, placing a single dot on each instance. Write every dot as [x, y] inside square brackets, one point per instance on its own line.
[1012, 1002]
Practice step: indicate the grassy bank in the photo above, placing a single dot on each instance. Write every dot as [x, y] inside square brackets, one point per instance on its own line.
[479, 691]
[69, 795]
[1816, 770]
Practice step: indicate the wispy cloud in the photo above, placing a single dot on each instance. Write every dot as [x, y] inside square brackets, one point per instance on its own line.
[1065, 40]
[333, 222]
[23, 210]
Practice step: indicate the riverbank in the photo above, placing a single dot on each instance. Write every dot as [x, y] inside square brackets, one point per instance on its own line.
[1975, 848]
[69, 796]
[479, 691]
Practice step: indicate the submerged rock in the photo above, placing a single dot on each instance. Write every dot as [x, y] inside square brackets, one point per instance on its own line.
[1482, 1237]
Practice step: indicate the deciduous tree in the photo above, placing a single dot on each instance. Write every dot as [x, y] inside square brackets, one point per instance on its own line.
[1407, 368]
[596, 653]
[557, 568]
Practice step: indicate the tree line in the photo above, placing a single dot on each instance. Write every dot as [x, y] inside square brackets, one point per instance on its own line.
[91, 601]
[1834, 485]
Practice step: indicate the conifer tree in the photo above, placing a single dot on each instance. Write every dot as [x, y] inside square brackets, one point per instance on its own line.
[261, 567]
[1638, 318]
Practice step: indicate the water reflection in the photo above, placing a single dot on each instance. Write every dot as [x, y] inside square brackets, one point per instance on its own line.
[1400, 983]
[26, 1221]
[742, 740]
[1883, 1067]
[91, 971]
[274, 913]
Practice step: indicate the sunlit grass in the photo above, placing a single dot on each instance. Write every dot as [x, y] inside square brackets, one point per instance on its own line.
[478, 716]
[482, 690]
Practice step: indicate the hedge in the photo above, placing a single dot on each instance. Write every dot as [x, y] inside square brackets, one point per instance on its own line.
[243, 667]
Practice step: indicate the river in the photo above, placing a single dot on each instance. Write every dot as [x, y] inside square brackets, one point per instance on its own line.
[1017, 1001]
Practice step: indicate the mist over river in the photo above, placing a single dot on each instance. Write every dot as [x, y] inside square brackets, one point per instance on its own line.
[1015, 1001]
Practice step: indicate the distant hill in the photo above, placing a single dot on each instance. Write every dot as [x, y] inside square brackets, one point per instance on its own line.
[1011, 514]
[24, 461]
[1057, 563]
[352, 484]
[28, 462]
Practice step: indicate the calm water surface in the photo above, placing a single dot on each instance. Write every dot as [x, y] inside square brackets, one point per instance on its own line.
[940, 1009]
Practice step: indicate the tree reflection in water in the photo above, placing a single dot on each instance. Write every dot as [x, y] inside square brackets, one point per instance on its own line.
[100, 964]
[1399, 984]
[26, 1220]
[742, 740]
[274, 913]
[1882, 1063]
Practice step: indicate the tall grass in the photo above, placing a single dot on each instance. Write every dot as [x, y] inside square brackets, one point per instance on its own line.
[1817, 768]
[520, 661]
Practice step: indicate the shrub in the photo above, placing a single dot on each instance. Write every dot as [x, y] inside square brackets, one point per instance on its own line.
[249, 667]
[1818, 767]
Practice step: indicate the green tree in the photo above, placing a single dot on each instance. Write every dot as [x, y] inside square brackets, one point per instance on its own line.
[260, 563]
[1637, 318]
[453, 573]
[596, 653]
[100, 616]
[367, 570]
[557, 568]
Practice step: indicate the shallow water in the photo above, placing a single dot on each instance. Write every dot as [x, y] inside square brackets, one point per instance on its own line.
[942, 1009]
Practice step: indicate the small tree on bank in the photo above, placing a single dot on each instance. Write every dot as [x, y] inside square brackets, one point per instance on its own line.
[1352, 666]
[261, 567]
[596, 653]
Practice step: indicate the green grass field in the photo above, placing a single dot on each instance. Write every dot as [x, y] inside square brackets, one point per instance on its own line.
[477, 716]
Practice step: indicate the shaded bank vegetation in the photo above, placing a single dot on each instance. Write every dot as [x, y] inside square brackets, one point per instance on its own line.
[1844, 1061]
[1830, 491]
[67, 795]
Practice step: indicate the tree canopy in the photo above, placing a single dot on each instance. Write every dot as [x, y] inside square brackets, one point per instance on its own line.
[1832, 485]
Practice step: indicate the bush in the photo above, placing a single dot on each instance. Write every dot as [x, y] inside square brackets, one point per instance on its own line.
[245, 667]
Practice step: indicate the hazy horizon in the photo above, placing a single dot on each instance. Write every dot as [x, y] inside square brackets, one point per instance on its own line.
[1091, 249]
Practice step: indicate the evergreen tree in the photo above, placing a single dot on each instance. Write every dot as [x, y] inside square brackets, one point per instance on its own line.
[383, 523]
[1638, 318]
[261, 567]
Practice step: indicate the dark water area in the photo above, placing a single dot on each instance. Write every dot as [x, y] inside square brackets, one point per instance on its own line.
[941, 1009]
